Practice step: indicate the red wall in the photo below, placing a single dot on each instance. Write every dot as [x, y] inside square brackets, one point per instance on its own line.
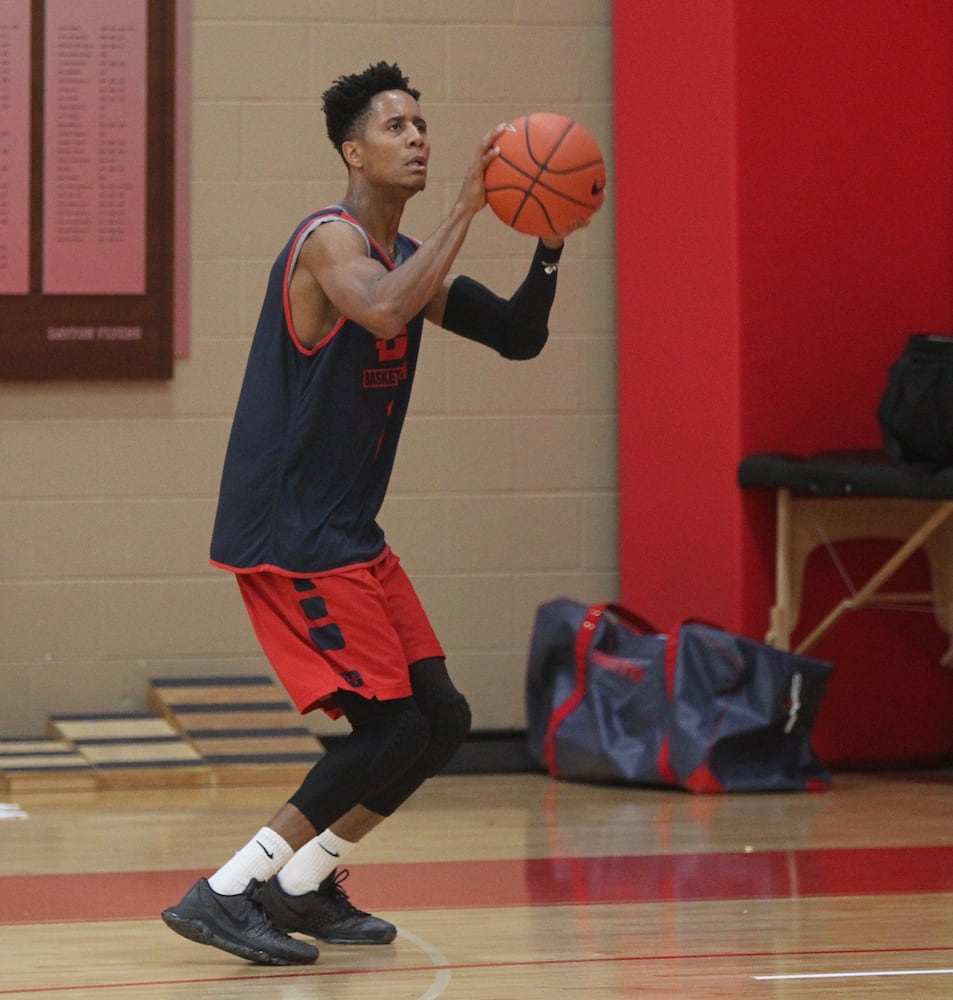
[679, 372]
[785, 217]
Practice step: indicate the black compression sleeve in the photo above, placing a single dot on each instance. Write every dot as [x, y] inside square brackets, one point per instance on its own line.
[517, 328]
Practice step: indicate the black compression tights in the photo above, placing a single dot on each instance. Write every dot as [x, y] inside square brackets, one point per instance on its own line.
[448, 720]
[393, 747]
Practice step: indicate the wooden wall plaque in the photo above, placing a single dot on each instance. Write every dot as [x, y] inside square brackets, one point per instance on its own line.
[87, 189]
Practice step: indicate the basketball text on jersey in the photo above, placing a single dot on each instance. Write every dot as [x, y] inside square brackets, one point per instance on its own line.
[384, 378]
[391, 376]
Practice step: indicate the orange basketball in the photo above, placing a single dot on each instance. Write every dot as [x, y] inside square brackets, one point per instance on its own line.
[549, 177]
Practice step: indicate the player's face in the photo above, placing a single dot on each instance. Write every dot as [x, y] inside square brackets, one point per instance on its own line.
[395, 146]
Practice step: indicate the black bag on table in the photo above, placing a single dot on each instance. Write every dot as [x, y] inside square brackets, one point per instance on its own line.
[915, 413]
[609, 699]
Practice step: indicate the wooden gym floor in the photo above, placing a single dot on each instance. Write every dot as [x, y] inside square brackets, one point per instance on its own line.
[508, 887]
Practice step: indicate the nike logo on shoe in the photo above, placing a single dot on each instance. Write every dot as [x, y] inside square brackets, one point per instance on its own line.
[265, 849]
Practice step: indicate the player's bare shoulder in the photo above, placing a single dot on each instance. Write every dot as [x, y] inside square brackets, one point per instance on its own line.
[327, 248]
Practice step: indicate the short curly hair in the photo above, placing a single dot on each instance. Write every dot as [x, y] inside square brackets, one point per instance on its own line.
[347, 101]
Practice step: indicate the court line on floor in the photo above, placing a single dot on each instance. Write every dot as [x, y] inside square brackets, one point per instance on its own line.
[854, 975]
[441, 964]
[263, 974]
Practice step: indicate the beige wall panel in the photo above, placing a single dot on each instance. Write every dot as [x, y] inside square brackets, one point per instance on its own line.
[431, 389]
[232, 665]
[82, 407]
[586, 296]
[455, 454]
[286, 10]
[599, 536]
[497, 63]
[574, 453]
[216, 141]
[252, 276]
[54, 538]
[495, 533]
[469, 611]
[563, 12]
[232, 220]
[486, 11]
[248, 61]
[344, 48]
[162, 458]
[49, 458]
[415, 531]
[482, 385]
[175, 618]
[595, 47]
[207, 384]
[48, 621]
[282, 141]
[216, 305]
[596, 373]
[156, 537]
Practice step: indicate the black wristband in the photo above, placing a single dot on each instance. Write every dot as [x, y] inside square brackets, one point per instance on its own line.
[547, 259]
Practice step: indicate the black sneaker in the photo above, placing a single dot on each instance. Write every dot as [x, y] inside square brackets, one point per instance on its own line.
[325, 913]
[236, 924]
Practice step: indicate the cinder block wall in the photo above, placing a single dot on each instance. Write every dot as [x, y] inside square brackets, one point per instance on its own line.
[505, 491]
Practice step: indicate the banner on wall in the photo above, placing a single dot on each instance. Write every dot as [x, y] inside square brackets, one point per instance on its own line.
[87, 189]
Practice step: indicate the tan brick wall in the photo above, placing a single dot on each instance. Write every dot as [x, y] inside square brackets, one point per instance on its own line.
[505, 490]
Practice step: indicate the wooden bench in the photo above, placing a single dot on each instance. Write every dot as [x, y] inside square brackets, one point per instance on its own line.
[832, 496]
[131, 750]
[245, 727]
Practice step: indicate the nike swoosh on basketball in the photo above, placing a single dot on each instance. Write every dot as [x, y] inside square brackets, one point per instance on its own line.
[265, 849]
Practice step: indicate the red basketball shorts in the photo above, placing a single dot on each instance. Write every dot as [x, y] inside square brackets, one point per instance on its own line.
[356, 630]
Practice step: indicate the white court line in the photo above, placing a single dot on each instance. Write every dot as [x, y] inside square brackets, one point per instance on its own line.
[859, 975]
[12, 810]
[442, 974]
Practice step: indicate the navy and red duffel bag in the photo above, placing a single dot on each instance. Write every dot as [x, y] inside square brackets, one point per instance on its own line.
[610, 699]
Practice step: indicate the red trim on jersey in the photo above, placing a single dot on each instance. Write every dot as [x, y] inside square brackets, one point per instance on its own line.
[306, 230]
[268, 568]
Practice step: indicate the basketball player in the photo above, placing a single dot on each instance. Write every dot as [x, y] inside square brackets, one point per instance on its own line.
[311, 450]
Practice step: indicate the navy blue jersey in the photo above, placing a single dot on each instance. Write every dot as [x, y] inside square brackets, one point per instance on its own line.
[315, 434]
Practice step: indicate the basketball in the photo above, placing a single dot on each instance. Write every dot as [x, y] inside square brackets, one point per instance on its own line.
[549, 177]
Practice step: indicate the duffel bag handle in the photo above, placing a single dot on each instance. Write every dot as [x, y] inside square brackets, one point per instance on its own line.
[639, 623]
[584, 639]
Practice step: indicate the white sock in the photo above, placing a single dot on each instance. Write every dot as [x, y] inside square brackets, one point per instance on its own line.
[260, 858]
[313, 863]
